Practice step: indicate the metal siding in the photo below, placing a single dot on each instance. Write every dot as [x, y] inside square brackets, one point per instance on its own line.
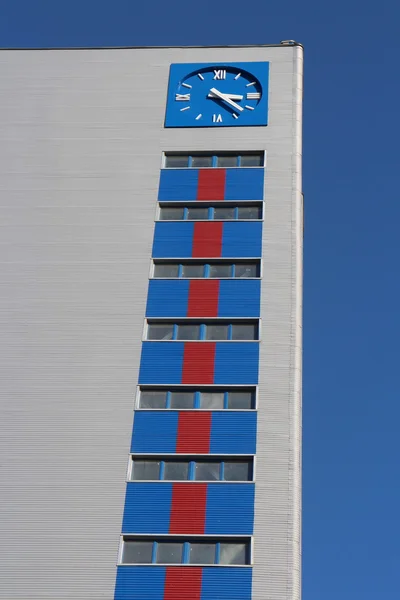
[236, 363]
[230, 509]
[244, 184]
[161, 362]
[139, 583]
[227, 583]
[167, 298]
[163, 427]
[241, 240]
[233, 433]
[147, 508]
[239, 298]
[178, 184]
[173, 240]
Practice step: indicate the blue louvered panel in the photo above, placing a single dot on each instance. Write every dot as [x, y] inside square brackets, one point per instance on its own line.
[140, 583]
[241, 239]
[147, 508]
[230, 509]
[226, 583]
[236, 363]
[178, 184]
[173, 239]
[167, 298]
[154, 431]
[161, 362]
[239, 298]
[244, 184]
[233, 432]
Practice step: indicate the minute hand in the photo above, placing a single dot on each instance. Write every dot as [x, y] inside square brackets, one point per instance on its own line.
[226, 98]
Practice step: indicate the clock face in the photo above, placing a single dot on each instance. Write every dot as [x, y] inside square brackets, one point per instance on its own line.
[217, 95]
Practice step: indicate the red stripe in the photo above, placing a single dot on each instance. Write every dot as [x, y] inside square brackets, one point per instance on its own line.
[183, 583]
[211, 184]
[198, 362]
[203, 298]
[194, 431]
[207, 239]
[188, 508]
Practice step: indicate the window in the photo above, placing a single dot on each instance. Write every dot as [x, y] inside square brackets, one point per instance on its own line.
[191, 469]
[205, 212]
[171, 549]
[190, 331]
[207, 160]
[211, 270]
[205, 399]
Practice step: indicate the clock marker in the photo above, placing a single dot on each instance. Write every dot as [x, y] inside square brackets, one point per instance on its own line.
[185, 108]
[183, 97]
[217, 118]
[234, 115]
[246, 106]
[219, 74]
[187, 85]
[201, 76]
[238, 75]
[253, 96]
[199, 117]
[247, 85]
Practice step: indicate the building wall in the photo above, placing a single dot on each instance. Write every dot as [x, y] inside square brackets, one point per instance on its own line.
[80, 157]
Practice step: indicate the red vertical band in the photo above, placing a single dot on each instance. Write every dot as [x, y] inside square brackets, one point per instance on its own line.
[194, 432]
[188, 508]
[198, 362]
[211, 184]
[183, 583]
[203, 298]
[207, 239]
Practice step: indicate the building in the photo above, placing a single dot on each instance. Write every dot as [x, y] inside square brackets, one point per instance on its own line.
[152, 275]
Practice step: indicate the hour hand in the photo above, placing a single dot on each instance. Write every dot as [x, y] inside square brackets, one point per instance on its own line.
[231, 96]
[226, 98]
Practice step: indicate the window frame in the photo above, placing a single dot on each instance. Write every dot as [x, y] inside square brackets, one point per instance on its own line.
[206, 268]
[214, 158]
[202, 324]
[197, 391]
[211, 207]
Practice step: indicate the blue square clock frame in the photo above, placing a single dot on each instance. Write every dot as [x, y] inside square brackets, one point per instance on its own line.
[217, 95]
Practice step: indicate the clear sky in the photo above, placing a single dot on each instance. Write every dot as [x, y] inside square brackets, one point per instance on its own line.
[352, 212]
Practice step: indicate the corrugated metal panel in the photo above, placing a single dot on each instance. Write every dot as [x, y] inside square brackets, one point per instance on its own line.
[188, 510]
[194, 430]
[167, 298]
[236, 363]
[161, 362]
[178, 184]
[207, 239]
[183, 583]
[154, 431]
[147, 508]
[244, 184]
[140, 583]
[211, 184]
[173, 240]
[203, 298]
[241, 240]
[233, 433]
[228, 583]
[198, 363]
[230, 509]
[239, 298]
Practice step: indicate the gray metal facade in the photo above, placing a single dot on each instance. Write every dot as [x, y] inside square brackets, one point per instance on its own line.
[82, 138]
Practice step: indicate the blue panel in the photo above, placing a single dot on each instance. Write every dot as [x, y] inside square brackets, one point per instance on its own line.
[154, 431]
[167, 298]
[236, 363]
[226, 583]
[244, 184]
[230, 509]
[233, 433]
[161, 362]
[239, 298]
[147, 508]
[140, 583]
[241, 240]
[173, 240]
[178, 184]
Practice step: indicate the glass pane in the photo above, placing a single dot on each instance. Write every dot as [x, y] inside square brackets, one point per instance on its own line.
[145, 469]
[227, 160]
[249, 212]
[192, 271]
[176, 161]
[244, 331]
[212, 400]
[252, 160]
[207, 471]
[182, 399]
[220, 270]
[233, 554]
[243, 270]
[201, 161]
[176, 471]
[188, 332]
[197, 213]
[240, 400]
[160, 331]
[202, 553]
[237, 471]
[216, 332]
[166, 270]
[169, 552]
[224, 213]
[150, 399]
[137, 552]
[171, 214]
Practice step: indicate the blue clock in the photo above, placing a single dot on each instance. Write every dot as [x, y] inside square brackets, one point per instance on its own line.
[217, 95]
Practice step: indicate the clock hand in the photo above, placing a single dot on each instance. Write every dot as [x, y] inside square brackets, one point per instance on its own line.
[231, 96]
[226, 99]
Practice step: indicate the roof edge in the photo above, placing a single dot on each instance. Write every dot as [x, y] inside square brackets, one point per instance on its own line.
[280, 45]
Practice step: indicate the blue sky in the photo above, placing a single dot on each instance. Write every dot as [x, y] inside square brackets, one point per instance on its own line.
[352, 290]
